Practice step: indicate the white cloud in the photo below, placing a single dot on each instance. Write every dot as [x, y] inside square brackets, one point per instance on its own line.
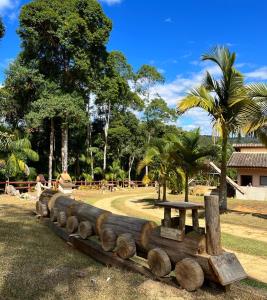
[168, 20]
[6, 4]
[258, 74]
[111, 2]
[174, 91]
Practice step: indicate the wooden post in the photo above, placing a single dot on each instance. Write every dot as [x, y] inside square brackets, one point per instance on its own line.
[195, 222]
[213, 229]
[182, 214]
[167, 217]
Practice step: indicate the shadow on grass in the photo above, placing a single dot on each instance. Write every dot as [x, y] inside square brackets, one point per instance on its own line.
[34, 262]
[147, 203]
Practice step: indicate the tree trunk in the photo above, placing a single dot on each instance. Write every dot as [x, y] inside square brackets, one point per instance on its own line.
[51, 154]
[131, 160]
[186, 187]
[88, 141]
[223, 185]
[159, 196]
[64, 147]
[148, 142]
[106, 128]
[164, 197]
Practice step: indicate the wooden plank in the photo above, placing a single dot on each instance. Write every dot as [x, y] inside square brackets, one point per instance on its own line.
[227, 268]
[61, 232]
[180, 205]
[171, 233]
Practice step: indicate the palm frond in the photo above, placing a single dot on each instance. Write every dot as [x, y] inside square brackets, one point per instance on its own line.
[199, 97]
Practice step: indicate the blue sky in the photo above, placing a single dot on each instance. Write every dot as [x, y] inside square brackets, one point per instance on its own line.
[172, 35]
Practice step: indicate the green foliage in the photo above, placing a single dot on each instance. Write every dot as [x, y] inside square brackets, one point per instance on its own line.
[15, 156]
[2, 28]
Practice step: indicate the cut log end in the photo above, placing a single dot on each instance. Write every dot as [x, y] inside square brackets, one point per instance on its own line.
[126, 247]
[72, 224]
[85, 229]
[62, 219]
[189, 274]
[100, 221]
[145, 233]
[51, 202]
[159, 262]
[44, 212]
[53, 214]
[108, 239]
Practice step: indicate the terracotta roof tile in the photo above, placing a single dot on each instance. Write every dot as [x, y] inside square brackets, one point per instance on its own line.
[248, 160]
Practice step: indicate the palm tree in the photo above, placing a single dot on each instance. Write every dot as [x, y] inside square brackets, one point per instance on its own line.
[256, 112]
[188, 154]
[158, 157]
[114, 171]
[14, 156]
[223, 99]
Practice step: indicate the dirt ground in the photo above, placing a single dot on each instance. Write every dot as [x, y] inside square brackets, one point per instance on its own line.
[36, 264]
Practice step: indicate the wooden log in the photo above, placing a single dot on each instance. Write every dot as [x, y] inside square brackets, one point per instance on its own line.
[189, 274]
[125, 246]
[193, 243]
[85, 229]
[51, 202]
[159, 262]
[37, 207]
[139, 228]
[43, 210]
[87, 212]
[61, 202]
[108, 239]
[53, 214]
[72, 224]
[61, 218]
[46, 195]
[213, 229]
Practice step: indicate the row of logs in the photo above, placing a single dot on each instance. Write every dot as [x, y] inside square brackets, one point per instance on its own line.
[128, 236]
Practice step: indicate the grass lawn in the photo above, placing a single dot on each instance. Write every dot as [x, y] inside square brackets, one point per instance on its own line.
[36, 264]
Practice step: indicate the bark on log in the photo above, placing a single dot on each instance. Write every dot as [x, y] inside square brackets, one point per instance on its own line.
[139, 228]
[85, 229]
[213, 229]
[72, 224]
[43, 210]
[108, 239]
[53, 214]
[125, 246]
[159, 262]
[86, 212]
[61, 202]
[37, 207]
[51, 202]
[189, 274]
[62, 219]
[46, 195]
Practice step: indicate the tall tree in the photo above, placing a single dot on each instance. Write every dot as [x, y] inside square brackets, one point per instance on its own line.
[68, 108]
[114, 94]
[66, 40]
[145, 79]
[224, 100]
